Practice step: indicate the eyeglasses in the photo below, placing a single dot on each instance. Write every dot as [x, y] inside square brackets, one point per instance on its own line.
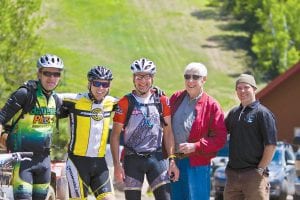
[49, 74]
[193, 76]
[99, 84]
[145, 77]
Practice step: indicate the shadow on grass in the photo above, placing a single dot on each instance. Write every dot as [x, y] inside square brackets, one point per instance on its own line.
[206, 14]
[234, 37]
[231, 42]
[210, 14]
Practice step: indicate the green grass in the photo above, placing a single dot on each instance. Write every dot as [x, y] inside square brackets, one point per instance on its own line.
[114, 33]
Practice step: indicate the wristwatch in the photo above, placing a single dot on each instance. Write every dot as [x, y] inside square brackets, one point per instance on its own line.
[260, 170]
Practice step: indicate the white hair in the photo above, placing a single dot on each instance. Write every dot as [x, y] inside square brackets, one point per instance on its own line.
[196, 68]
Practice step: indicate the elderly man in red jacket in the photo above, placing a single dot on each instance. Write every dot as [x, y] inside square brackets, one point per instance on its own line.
[199, 131]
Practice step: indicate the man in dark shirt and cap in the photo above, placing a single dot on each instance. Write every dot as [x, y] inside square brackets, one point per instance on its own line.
[253, 137]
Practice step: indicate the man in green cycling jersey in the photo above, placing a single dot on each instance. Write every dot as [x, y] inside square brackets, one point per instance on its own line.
[32, 131]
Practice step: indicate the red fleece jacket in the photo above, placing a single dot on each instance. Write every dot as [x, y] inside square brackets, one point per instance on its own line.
[208, 130]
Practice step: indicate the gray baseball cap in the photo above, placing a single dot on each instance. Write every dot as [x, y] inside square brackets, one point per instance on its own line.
[246, 78]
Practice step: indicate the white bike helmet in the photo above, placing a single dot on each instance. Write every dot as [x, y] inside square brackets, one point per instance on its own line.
[143, 65]
[49, 60]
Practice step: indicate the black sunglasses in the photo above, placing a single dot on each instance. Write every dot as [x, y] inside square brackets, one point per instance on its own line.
[99, 84]
[49, 74]
[194, 77]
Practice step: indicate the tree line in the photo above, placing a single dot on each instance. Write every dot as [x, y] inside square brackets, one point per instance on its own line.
[273, 30]
[272, 27]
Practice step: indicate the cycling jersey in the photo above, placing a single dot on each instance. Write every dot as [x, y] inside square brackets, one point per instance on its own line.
[143, 132]
[143, 144]
[89, 123]
[33, 131]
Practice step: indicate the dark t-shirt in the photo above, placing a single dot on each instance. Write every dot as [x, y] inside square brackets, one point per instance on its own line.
[250, 129]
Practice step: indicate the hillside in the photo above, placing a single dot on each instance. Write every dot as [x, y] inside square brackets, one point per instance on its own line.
[171, 33]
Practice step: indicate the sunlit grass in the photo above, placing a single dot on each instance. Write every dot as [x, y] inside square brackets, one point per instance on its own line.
[114, 33]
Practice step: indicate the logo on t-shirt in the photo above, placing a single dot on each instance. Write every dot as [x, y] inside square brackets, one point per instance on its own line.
[249, 118]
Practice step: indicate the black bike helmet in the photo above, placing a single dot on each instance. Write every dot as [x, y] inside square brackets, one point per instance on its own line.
[100, 72]
[49, 60]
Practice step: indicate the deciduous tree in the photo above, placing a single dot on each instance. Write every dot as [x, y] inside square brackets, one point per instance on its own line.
[273, 29]
[19, 42]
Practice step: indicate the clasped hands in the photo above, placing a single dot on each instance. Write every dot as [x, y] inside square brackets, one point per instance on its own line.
[187, 148]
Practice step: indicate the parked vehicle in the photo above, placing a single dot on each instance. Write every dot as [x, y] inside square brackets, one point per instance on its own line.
[58, 188]
[219, 180]
[219, 161]
[282, 174]
[6, 161]
[297, 183]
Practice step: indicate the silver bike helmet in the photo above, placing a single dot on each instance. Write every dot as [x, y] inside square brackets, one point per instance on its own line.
[49, 60]
[143, 65]
[100, 72]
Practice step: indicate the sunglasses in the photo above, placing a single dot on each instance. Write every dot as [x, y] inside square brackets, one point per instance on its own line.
[49, 74]
[99, 84]
[194, 77]
[145, 77]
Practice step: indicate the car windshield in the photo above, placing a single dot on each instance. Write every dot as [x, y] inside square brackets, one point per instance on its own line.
[277, 158]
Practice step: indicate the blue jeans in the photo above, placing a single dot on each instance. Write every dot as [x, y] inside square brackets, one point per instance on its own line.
[193, 183]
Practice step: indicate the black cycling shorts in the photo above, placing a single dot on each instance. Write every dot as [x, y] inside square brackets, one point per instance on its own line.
[31, 179]
[153, 166]
[84, 172]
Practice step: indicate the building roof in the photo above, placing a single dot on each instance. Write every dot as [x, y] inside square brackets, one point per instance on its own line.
[278, 80]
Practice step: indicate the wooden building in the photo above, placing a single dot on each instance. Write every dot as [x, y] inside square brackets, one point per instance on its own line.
[282, 97]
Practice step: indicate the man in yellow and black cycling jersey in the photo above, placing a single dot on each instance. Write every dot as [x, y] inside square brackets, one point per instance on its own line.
[89, 115]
